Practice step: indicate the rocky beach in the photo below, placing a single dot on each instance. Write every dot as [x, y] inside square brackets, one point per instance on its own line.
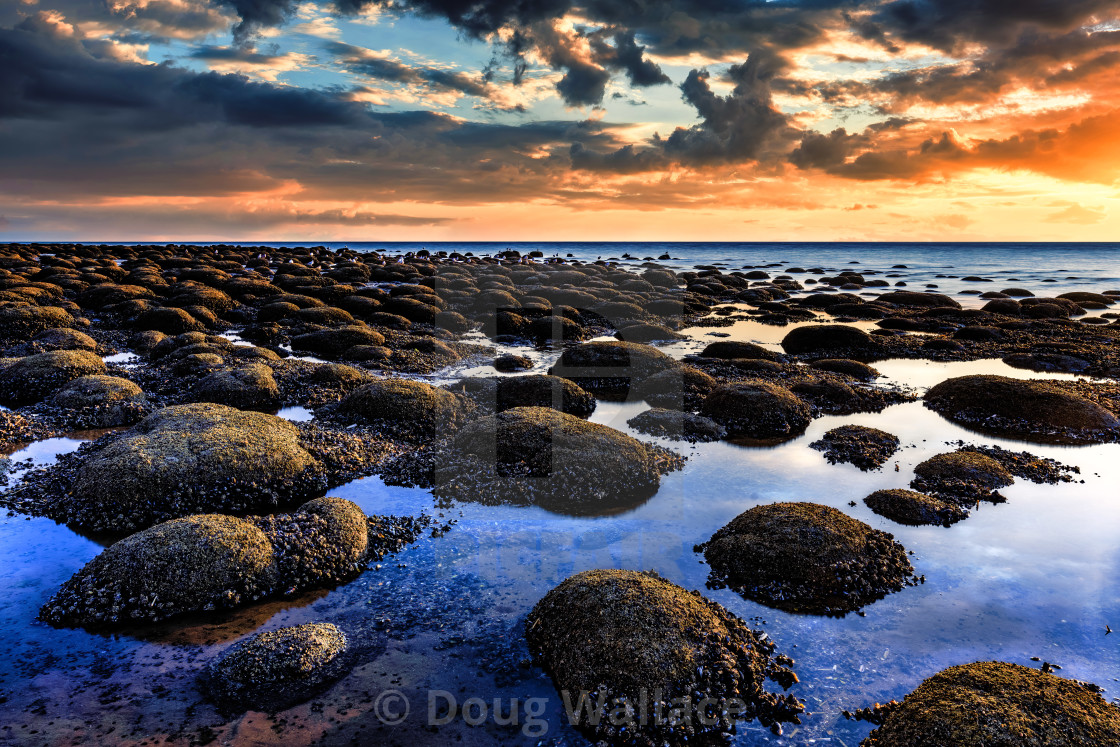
[252, 492]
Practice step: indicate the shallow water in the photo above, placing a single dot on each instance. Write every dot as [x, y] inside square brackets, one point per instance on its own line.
[1036, 576]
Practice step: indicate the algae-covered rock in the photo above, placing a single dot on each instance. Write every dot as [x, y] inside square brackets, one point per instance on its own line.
[610, 634]
[757, 409]
[915, 509]
[866, 448]
[247, 388]
[277, 669]
[184, 460]
[609, 369]
[679, 388]
[995, 703]
[1029, 410]
[506, 392]
[828, 339]
[536, 455]
[805, 557]
[101, 402]
[332, 343]
[200, 562]
[962, 476]
[677, 425]
[209, 561]
[32, 378]
[407, 409]
[24, 322]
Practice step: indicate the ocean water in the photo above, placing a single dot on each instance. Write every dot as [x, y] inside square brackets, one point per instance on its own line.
[1037, 576]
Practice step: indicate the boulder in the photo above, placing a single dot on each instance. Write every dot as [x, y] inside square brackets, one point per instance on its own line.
[33, 378]
[1035, 411]
[613, 634]
[101, 402]
[996, 703]
[826, 340]
[406, 409]
[540, 456]
[807, 558]
[609, 369]
[677, 425]
[915, 509]
[277, 669]
[247, 388]
[757, 409]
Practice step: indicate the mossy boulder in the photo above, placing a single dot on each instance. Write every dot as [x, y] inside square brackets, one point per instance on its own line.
[198, 562]
[1035, 411]
[277, 669]
[407, 409]
[250, 387]
[919, 299]
[915, 509]
[609, 369]
[677, 425]
[169, 320]
[101, 402]
[509, 363]
[210, 561]
[185, 460]
[964, 476]
[63, 339]
[853, 369]
[24, 322]
[679, 388]
[758, 410]
[996, 703]
[808, 558]
[645, 333]
[826, 340]
[537, 455]
[733, 349]
[32, 378]
[610, 634]
[866, 448]
[332, 343]
[502, 393]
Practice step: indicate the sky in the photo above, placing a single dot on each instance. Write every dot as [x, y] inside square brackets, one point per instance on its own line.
[536, 120]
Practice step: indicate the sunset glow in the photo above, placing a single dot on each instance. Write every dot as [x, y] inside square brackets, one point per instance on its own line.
[550, 120]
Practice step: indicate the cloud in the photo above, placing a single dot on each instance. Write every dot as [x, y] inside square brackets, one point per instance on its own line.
[1078, 215]
[368, 64]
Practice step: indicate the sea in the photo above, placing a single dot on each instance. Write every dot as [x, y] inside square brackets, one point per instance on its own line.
[1033, 580]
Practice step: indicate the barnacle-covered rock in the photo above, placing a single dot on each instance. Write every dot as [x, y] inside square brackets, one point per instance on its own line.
[247, 388]
[963, 476]
[407, 409]
[277, 669]
[32, 378]
[757, 409]
[609, 369]
[825, 340]
[677, 425]
[194, 563]
[536, 455]
[1035, 411]
[191, 459]
[332, 343]
[24, 322]
[210, 561]
[501, 393]
[100, 402]
[915, 509]
[617, 639]
[678, 388]
[996, 703]
[866, 448]
[805, 557]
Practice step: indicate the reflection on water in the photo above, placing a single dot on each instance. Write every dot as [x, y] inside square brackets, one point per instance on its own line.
[1036, 576]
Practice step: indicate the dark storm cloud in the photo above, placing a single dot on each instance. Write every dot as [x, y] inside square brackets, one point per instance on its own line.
[76, 127]
[948, 24]
[737, 127]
